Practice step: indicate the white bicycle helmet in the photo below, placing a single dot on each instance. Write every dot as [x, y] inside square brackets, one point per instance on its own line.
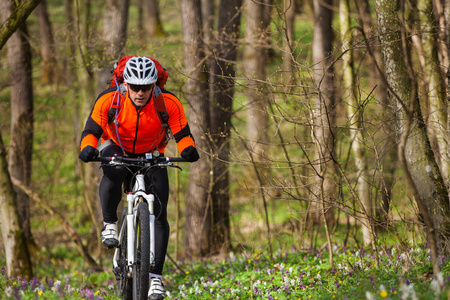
[140, 71]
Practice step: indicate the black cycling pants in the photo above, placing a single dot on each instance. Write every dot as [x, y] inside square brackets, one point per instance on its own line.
[157, 182]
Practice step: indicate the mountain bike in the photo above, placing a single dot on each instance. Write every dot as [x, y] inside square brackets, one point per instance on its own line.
[136, 252]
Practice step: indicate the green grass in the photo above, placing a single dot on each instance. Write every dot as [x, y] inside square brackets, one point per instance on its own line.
[289, 274]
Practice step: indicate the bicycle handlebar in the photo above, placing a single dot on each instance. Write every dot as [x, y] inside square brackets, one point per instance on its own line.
[139, 160]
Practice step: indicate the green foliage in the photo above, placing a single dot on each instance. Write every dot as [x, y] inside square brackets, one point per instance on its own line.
[290, 274]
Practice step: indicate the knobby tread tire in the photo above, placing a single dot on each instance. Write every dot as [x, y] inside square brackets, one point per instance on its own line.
[125, 283]
[141, 268]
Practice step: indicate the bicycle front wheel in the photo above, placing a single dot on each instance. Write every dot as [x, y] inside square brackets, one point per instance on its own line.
[124, 282]
[141, 268]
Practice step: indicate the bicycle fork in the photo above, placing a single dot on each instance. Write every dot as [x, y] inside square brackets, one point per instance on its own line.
[132, 199]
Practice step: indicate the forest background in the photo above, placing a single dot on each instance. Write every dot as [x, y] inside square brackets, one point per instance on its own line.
[320, 124]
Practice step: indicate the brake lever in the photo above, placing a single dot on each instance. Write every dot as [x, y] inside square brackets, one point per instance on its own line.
[169, 164]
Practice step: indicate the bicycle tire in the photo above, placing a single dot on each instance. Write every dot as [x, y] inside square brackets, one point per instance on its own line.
[125, 283]
[141, 268]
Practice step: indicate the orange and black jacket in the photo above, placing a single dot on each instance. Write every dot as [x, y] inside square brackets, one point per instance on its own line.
[136, 130]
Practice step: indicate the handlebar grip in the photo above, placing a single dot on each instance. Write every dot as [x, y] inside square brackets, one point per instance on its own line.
[176, 159]
[102, 159]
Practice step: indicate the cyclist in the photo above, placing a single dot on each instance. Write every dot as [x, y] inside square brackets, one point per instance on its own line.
[133, 129]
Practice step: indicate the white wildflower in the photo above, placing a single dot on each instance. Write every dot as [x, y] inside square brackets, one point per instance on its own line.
[7, 290]
[71, 289]
[370, 296]
[56, 286]
[198, 291]
[436, 284]
[407, 292]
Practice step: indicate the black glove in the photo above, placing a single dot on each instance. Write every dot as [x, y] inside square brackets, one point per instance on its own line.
[190, 154]
[88, 153]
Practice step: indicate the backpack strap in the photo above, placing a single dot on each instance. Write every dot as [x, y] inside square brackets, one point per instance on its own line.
[160, 106]
[161, 111]
[115, 103]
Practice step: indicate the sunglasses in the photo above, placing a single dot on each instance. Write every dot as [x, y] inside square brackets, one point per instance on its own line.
[137, 88]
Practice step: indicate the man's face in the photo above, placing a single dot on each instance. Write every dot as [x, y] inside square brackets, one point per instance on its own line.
[139, 94]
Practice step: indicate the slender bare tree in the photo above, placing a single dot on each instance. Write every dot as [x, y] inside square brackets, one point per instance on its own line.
[323, 111]
[208, 7]
[153, 22]
[18, 260]
[385, 153]
[48, 62]
[436, 98]
[225, 54]
[255, 73]
[198, 201]
[115, 22]
[288, 14]
[16, 250]
[355, 122]
[19, 58]
[83, 41]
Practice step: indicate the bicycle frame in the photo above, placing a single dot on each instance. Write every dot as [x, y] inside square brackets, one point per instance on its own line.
[133, 199]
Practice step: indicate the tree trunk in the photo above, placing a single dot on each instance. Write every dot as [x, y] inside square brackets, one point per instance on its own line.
[208, 19]
[90, 174]
[16, 250]
[437, 118]
[140, 19]
[114, 38]
[415, 152]
[288, 41]
[152, 20]
[385, 153]
[19, 57]
[255, 73]
[355, 122]
[440, 10]
[221, 112]
[48, 62]
[256, 49]
[323, 113]
[198, 201]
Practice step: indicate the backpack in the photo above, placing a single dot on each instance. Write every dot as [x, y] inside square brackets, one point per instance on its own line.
[158, 98]
[119, 66]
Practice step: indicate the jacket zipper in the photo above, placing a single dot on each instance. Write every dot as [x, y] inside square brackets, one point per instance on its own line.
[138, 111]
